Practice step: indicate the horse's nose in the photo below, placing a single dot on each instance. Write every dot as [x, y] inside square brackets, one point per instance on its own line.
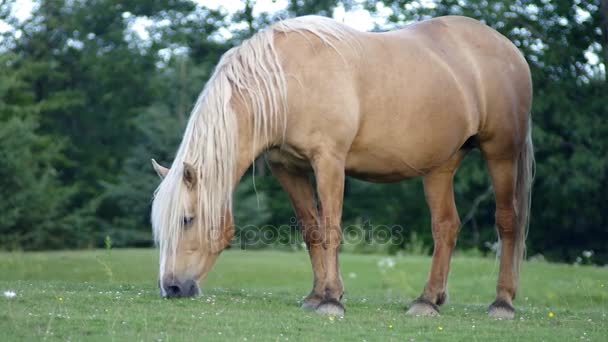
[176, 289]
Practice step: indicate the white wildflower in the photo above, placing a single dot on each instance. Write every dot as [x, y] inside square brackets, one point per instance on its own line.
[386, 263]
[10, 294]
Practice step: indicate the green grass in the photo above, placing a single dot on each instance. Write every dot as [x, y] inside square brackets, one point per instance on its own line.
[112, 295]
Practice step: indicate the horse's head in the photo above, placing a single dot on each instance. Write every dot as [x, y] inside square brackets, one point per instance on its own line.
[188, 247]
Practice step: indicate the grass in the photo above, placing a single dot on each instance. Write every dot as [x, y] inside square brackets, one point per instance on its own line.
[254, 295]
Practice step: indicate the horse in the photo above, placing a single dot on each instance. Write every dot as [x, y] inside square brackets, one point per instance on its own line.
[314, 95]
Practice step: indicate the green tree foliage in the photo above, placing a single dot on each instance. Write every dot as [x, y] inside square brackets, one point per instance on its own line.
[86, 102]
[33, 201]
[91, 76]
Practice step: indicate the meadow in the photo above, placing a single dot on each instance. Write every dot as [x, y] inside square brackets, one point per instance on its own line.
[254, 296]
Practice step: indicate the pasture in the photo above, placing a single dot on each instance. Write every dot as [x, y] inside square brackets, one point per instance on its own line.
[254, 295]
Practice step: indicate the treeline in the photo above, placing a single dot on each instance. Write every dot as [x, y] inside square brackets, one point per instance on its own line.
[91, 90]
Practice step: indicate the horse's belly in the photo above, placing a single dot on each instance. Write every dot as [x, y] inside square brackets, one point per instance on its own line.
[391, 148]
[382, 166]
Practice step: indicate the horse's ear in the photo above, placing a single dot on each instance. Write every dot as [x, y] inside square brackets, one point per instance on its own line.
[160, 170]
[189, 175]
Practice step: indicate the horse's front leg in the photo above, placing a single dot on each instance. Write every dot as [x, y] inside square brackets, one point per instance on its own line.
[300, 191]
[329, 174]
[439, 192]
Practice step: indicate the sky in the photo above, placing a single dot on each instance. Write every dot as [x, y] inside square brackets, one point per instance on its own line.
[23, 9]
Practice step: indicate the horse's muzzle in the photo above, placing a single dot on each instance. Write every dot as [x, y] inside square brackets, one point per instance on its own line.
[177, 289]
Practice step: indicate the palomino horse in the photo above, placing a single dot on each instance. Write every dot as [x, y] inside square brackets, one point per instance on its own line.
[316, 95]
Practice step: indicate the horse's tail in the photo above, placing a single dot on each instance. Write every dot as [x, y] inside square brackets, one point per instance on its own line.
[523, 197]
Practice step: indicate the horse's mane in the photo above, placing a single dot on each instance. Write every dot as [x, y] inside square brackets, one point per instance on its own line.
[209, 143]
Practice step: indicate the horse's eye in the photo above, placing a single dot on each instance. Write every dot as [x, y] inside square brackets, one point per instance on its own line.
[188, 221]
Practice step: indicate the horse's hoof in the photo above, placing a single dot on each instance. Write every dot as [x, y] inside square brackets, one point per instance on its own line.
[500, 309]
[310, 304]
[423, 307]
[330, 307]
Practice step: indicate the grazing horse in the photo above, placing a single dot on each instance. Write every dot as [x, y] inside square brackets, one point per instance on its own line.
[316, 95]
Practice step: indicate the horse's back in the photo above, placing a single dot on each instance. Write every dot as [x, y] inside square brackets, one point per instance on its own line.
[403, 102]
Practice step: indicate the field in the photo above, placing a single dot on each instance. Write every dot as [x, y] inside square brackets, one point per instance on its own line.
[253, 295]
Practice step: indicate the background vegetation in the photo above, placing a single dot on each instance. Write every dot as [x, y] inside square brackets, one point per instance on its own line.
[86, 100]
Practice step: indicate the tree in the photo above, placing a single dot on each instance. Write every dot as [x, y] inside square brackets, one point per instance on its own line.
[33, 211]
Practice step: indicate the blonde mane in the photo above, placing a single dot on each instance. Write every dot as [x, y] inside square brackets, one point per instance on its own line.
[209, 143]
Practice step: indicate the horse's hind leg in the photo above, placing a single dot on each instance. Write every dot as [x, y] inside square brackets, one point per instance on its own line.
[439, 192]
[300, 190]
[504, 173]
